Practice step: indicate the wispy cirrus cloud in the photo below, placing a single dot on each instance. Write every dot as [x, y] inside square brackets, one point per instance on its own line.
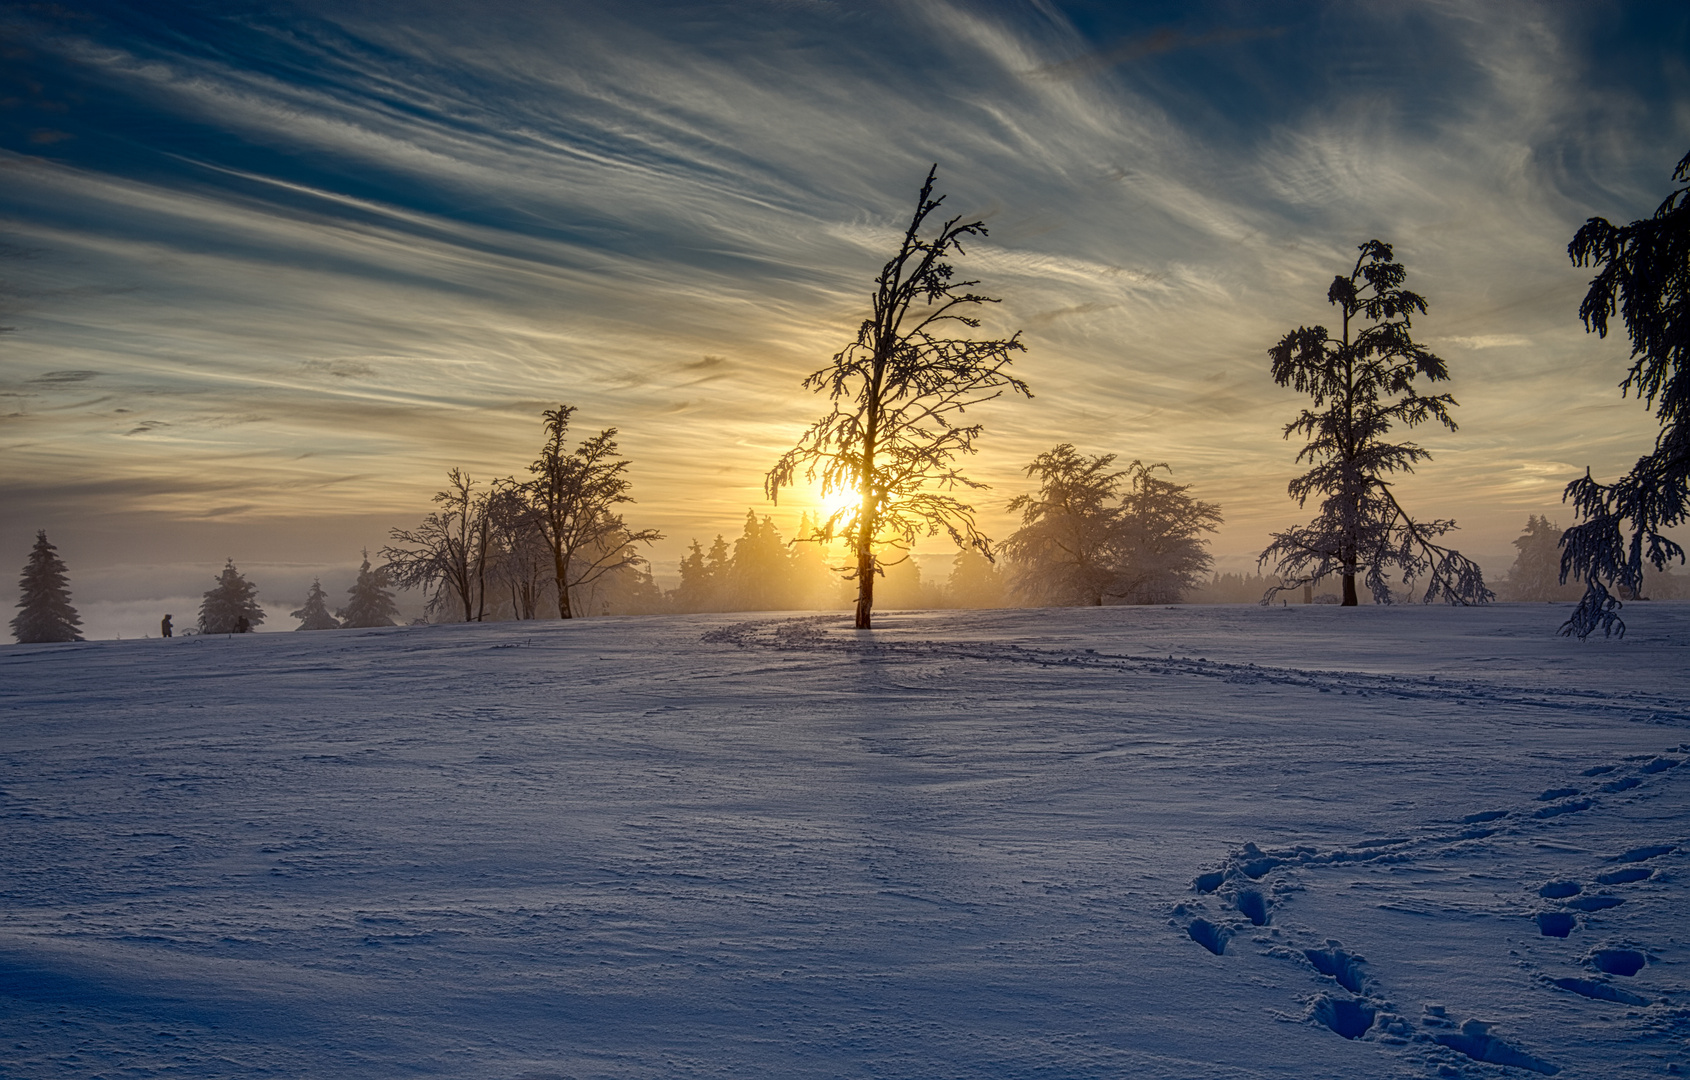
[324, 252]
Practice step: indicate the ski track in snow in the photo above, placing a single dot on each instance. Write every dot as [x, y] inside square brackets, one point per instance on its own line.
[1016, 844]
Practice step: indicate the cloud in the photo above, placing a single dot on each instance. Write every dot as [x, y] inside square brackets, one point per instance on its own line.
[1158, 42]
[399, 242]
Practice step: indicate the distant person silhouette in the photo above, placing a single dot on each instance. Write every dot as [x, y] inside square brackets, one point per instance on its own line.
[164, 627]
[242, 626]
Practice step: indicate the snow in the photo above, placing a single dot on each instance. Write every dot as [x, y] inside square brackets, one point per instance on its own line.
[961, 845]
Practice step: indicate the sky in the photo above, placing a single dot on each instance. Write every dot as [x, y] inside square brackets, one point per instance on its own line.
[272, 269]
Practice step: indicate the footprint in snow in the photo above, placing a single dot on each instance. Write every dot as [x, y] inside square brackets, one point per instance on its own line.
[1599, 991]
[1475, 1040]
[1555, 923]
[1624, 876]
[1342, 966]
[1351, 1019]
[1626, 962]
[1210, 936]
[1594, 903]
[1253, 905]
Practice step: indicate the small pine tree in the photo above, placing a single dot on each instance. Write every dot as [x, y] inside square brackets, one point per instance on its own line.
[229, 607]
[372, 604]
[315, 614]
[44, 613]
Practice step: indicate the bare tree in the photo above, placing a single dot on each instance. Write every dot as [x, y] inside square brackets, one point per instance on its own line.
[894, 444]
[449, 552]
[573, 492]
[523, 558]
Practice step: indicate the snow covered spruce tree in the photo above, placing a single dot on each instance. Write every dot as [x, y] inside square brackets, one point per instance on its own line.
[1362, 384]
[44, 612]
[229, 607]
[1078, 545]
[1643, 275]
[893, 445]
[315, 614]
[574, 493]
[1535, 575]
[371, 603]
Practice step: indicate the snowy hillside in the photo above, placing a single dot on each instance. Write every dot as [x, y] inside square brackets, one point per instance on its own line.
[1119, 842]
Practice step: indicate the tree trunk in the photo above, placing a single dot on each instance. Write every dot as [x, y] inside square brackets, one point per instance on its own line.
[865, 586]
[558, 565]
[1350, 591]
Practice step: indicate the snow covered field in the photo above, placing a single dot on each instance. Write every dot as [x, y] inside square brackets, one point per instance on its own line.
[962, 845]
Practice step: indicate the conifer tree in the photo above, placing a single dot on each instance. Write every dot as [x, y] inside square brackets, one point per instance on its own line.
[45, 613]
[1644, 277]
[1362, 383]
[761, 576]
[975, 582]
[229, 607]
[315, 614]
[1536, 573]
[697, 588]
[371, 603]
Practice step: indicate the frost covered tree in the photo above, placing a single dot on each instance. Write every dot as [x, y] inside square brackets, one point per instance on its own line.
[1536, 573]
[447, 555]
[371, 604]
[45, 613]
[696, 592]
[1162, 554]
[1644, 276]
[761, 577]
[523, 565]
[574, 494]
[1093, 532]
[894, 433]
[1362, 384]
[229, 606]
[1067, 549]
[315, 614]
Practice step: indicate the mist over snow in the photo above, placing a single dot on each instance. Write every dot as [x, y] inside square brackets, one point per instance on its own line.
[1381, 842]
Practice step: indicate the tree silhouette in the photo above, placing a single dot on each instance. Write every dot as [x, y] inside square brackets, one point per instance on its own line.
[448, 552]
[1644, 276]
[44, 612]
[574, 493]
[371, 603]
[975, 581]
[314, 615]
[1536, 573]
[523, 558]
[229, 607]
[1362, 383]
[894, 443]
[1067, 548]
[1078, 545]
[1161, 549]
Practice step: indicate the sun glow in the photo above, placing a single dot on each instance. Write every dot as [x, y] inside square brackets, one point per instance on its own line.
[834, 502]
